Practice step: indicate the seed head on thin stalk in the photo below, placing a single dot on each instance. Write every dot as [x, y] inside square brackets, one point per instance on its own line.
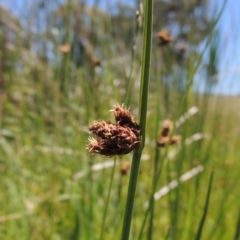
[164, 138]
[166, 128]
[115, 138]
[125, 167]
[164, 37]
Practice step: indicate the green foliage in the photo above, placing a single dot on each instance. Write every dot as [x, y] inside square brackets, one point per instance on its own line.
[51, 188]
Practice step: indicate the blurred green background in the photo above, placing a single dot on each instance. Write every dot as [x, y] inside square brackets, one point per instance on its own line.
[64, 64]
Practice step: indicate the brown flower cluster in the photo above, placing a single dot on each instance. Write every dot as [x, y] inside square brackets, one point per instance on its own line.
[65, 48]
[164, 37]
[164, 139]
[95, 61]
[115, 138]
[124, 167]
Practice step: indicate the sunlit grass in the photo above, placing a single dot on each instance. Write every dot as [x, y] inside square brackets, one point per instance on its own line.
[52, 188]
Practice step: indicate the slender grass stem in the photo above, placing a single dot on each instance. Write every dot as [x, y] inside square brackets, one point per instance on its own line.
[156, 166]
[129, 78]
[108, 197]
[143, 115]
[131, 195]
[237, 232]
[152, 200]
[66, 58]
[200, 228]
[156, 176]
[91, 202]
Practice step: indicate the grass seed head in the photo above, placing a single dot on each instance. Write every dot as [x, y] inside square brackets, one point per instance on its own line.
[124, 167]
[115, 139]
[95, 61]
[164, 141]
[164, 37]
[164, 138]
[166, 128]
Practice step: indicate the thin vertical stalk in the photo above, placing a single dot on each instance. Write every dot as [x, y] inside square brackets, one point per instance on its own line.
[66, 58]
[237, 232]
[108, 197]
[152, 200]
[156, 166]
[143, 115]
[90, 218]
[133, 55]
[200, 228]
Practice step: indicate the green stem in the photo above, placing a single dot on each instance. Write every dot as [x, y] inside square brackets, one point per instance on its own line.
[152, 200]
[156, 166]
[200, 228]
[129, 79]
[143, 100]
[143, 115]
[131, 195]
[237, 233]
[108, 197]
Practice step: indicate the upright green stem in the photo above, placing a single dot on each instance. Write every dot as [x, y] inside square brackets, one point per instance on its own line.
[200, 228]
[143, 100]
[66, 58]
[237, 231]
[143, 115]
[129, 79]
[108, 197]
[152, 200]
[156, 166]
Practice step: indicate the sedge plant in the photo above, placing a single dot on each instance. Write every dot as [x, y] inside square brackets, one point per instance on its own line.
[143, 100]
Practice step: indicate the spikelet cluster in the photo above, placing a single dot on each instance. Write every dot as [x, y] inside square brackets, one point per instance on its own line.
[164, 37]
[115, 138]
[164, 139]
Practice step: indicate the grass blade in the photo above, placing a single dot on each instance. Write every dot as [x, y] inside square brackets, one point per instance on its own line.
[200, 228]
[237, 233]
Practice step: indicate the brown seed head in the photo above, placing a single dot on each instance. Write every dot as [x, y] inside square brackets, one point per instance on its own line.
[65, 48]
[166, 128]
[125, 119]
[176, 139]
[124, 167]
[164, 37]
[164, 138]
[115, 139]
[95, 61]
[164, 141]
[122, 116]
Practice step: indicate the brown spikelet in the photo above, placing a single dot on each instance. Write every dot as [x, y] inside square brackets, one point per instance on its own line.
[124, 118]
[175, 139]
[166, 128]
[95, 61]
[164, 138]
[164, 141]
[164, 37]
[124, 167]
[65, 48]
[115, 139]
